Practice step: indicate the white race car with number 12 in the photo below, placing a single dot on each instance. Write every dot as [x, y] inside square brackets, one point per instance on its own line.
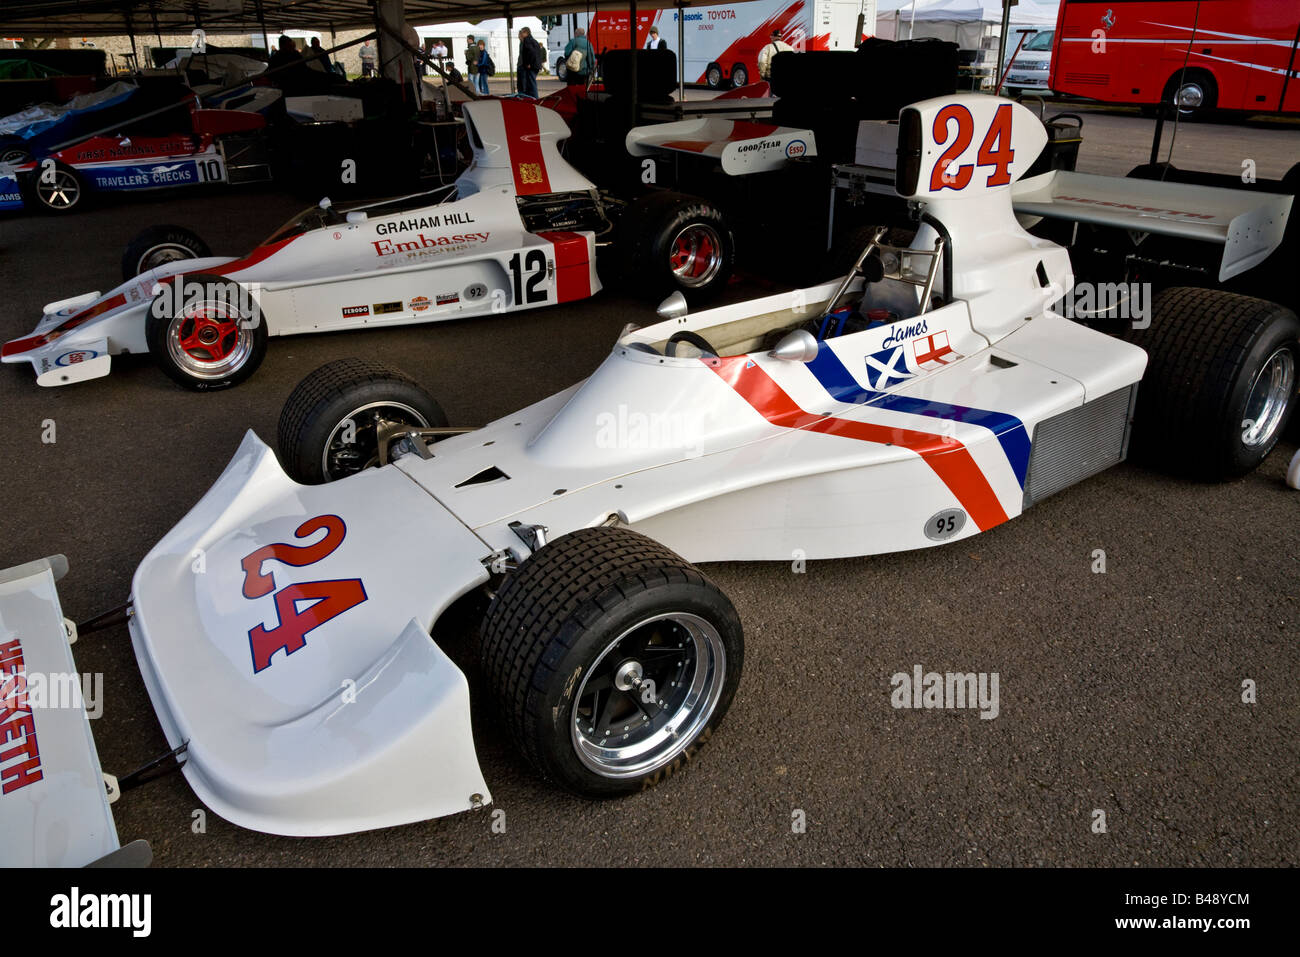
[500, 239]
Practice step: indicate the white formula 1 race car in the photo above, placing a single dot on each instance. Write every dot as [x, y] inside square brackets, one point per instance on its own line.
[928, 396]
[516, 231]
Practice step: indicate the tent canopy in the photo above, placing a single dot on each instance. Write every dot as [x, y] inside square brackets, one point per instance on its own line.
[1026, 12]
[43, 18]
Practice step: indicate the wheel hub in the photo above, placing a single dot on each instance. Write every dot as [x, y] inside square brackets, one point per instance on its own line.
[629, 675]
[695, 255]
[648, 695]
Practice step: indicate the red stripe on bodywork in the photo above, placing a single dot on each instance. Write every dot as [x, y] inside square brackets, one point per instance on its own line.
[572, 266]
[949, 459]
[740, 130]
[72, 322]
[524, 143]
[35, 342]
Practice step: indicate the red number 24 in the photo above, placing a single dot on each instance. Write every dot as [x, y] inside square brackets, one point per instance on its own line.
[995, 149]
[329, 598]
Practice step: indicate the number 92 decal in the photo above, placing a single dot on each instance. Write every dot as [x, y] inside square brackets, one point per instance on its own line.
[994, 150]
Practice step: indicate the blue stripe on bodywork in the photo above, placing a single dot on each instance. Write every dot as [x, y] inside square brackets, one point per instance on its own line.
[836, 379]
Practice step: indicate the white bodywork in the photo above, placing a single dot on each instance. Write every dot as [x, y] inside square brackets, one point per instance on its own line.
[53, 797]
[917, 431]
[469, 255]
[1247, 224]
[739, 146]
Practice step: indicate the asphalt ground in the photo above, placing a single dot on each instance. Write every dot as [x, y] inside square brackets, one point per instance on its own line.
[1120, 692]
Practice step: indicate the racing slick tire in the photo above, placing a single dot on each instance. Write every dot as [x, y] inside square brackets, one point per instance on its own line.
[205, 342]
[672, 242]
[1220, 383]
[161, 244]
[57, 190]
[612, 660]
[313, 438]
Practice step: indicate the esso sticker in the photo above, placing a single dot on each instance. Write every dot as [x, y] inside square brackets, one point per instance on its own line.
[72, 358]
[795, 148]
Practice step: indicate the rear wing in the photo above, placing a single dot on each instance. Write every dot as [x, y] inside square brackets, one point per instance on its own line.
[739, 146]
[1248, 225]
[53, 796]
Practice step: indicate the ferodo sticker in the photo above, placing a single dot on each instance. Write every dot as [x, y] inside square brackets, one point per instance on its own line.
[944, 525]
[384, 308]
[795, 149]
[420, 303]
[351, 312]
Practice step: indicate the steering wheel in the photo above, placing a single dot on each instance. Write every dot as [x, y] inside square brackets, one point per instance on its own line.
[694, 338]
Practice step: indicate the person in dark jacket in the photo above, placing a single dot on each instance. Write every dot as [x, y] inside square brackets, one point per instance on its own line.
[580, 46]
[471, 57]
[485, 68]
[531, 59]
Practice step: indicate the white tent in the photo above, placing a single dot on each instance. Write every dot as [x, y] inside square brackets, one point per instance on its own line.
[971, 24]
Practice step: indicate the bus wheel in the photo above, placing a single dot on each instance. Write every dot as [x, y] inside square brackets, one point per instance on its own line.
[739, 76]
[713, 76]
[1193, 92]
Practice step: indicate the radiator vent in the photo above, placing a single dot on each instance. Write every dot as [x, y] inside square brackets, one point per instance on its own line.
[1075, 445]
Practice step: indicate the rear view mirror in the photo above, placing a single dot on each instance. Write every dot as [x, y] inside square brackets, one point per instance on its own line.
[674, 307]
[357, 216]
[796, 346]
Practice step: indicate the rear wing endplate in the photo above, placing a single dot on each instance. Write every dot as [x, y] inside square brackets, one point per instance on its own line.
[1248, 225]
[739, 146]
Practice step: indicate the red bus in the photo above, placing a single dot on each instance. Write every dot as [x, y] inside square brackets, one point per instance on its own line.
[1202, 56]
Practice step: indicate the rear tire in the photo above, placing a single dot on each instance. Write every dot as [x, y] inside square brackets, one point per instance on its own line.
[313, 437]
[161, 244]
[713, 76]
[207, 342]
[572, 639]
[739, 76]
[1220, 383]
[58, 191]
[671, 242]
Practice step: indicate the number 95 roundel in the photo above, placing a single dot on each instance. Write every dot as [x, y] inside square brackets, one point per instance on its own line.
[966, 144]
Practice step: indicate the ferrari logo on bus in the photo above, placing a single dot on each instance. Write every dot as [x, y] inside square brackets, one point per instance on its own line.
[530, 172]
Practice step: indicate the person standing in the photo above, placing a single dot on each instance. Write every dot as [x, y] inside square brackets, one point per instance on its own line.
[577, 59]
[653, 42]
[368, 59]
[774, 46]
[530, 61]
[485, 68]
[471, 60]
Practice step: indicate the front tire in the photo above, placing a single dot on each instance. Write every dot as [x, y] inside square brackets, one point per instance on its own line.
[573, 640]
[205, 333]
[713, 76]
[1220, 384]
[672, 242]
[161, 244]
[314, 440]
